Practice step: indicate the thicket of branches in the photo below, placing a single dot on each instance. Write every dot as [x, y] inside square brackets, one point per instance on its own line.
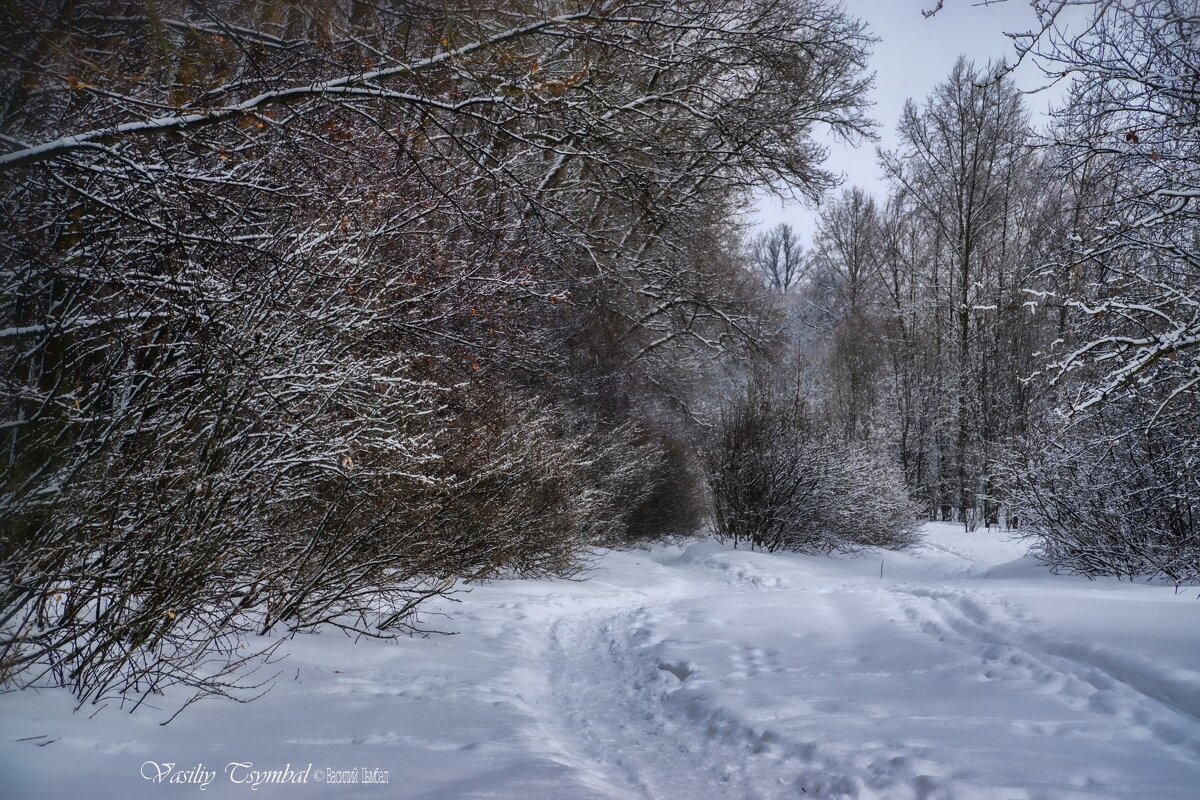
[310, 310]
[1107, 496]
[779, 479]
[1018, 321]
[1126, 363]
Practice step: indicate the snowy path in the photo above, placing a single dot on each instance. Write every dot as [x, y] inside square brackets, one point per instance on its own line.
[738, 694]
[704, 672]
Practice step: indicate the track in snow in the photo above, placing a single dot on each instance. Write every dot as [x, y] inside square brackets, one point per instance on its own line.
[786, 677]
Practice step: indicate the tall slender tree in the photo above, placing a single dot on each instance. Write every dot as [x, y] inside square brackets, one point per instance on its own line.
[960, 153]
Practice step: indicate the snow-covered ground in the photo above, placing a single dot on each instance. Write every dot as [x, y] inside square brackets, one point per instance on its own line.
[696, 672]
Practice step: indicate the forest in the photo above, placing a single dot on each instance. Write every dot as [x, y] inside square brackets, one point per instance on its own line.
[313, 312]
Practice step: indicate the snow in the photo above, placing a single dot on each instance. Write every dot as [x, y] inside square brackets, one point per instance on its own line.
[696, 671]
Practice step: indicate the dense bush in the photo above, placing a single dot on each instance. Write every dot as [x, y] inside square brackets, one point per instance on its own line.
[1111, 495]
[779, 480]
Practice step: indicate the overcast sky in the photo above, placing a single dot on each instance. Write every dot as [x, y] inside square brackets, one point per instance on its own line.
[913, 55]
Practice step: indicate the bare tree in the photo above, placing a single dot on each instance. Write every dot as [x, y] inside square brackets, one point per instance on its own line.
[1112, 489]
[1130, 130]
[778, 254]
[843, 279]
[959, 157]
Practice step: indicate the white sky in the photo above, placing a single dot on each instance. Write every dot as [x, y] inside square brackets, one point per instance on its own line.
[913, 55]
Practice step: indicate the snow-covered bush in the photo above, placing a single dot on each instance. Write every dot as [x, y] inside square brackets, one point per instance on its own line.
[1110, 495]
[779, 480]
[871, 505]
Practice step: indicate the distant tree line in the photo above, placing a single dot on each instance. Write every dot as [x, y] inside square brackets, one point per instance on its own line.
[1017, 323]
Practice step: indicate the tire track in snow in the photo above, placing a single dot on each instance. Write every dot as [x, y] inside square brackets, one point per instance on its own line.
[1128, 687]
[634, 721]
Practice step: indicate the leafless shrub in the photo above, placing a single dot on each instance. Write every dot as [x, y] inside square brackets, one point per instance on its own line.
[778, 480]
